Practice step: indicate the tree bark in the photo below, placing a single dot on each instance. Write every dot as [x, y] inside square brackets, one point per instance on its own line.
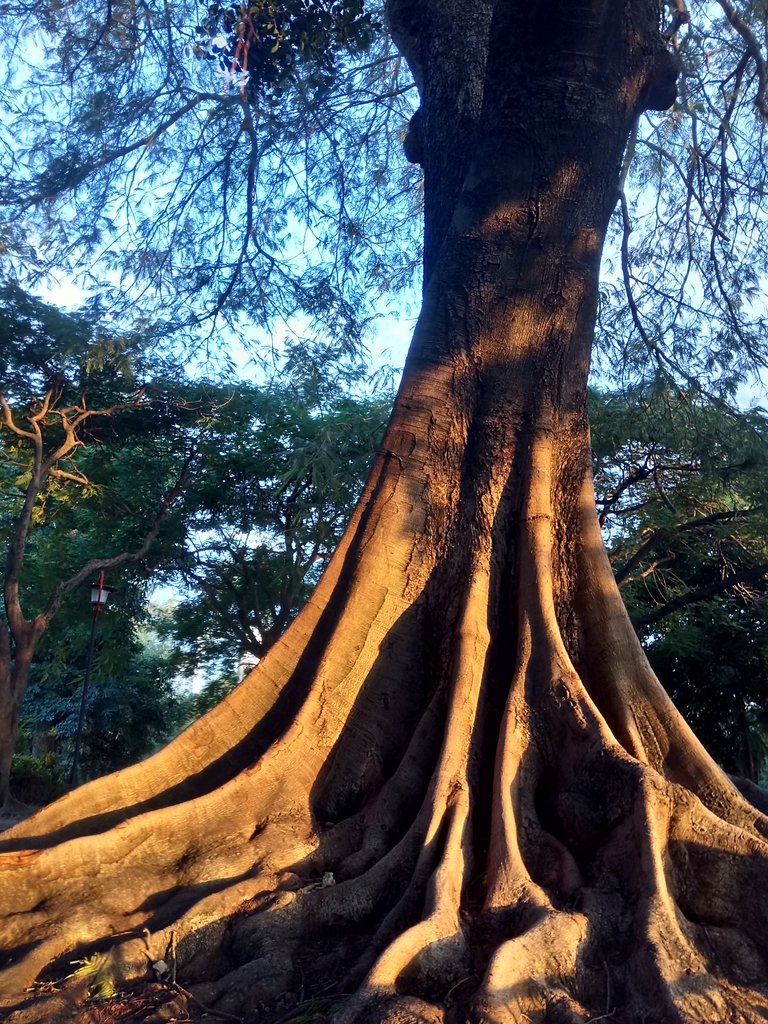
[14, 672]
[17, 649]
[454, 791]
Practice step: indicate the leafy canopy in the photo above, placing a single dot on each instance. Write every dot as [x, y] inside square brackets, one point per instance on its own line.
[685, 270]
[279, 479]
[259, 186]
[240, 165]
[681, 492]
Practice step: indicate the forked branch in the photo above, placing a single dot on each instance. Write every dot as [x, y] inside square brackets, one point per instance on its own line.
[751, 575]
[663, 536]
[753, 49]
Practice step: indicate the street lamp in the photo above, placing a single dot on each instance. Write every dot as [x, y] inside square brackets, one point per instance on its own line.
[99, 594]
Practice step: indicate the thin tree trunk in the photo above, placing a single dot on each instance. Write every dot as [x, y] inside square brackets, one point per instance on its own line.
[14, 674]
[454, 790]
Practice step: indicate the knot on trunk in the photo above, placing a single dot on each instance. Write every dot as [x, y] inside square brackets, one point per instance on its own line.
[414, 143]
[660, 90]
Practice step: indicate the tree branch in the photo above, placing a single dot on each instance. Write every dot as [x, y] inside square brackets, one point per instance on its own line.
[651, 569]
[109, 156]
[10, 422]
[694, 596]
[71, 418]
[658, 536]
[641, 473]
[753, 48]
[74, 477]
[125, 558]
[17, 546]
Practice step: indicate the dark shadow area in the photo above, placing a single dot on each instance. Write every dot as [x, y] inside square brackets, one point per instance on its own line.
[502, 656]
[715, 892]
[10, 956]
[170, 904]
[377, 731]
[756, 795]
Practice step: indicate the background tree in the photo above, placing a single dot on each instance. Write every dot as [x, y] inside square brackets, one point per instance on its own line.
[680, 486]
[63, 384]
[277, 470]
[712, 660]
[276, 489]
[134, 703]
[460, 730]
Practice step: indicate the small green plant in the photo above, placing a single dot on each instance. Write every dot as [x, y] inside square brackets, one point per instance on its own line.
[96, 968]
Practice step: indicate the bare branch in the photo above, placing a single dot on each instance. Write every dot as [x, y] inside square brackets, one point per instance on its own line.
[650, 570]
[71, 424]
[680, 17]
[75, 477]
[694, 596]
[664, 535]
[608, 503]
[9, 421]
[662, 492]
[18, 543]
[625, 272]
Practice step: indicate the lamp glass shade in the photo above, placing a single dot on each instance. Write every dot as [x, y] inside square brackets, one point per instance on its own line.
[100, 594]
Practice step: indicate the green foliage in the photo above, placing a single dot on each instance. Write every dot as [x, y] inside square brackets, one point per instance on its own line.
[277, 484]
[275, 472]
[103, 498]
[713, 659]
[98, 971]
[681, 488]
[133, 704]
[39, 344]
[684, 272]
[34, 780]
[260, 46]
[100, 501]
[213, 692]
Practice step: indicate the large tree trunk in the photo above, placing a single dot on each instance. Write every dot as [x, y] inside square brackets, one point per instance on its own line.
[460, 732]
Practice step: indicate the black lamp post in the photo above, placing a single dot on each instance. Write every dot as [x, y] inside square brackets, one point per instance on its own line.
[99, 595]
